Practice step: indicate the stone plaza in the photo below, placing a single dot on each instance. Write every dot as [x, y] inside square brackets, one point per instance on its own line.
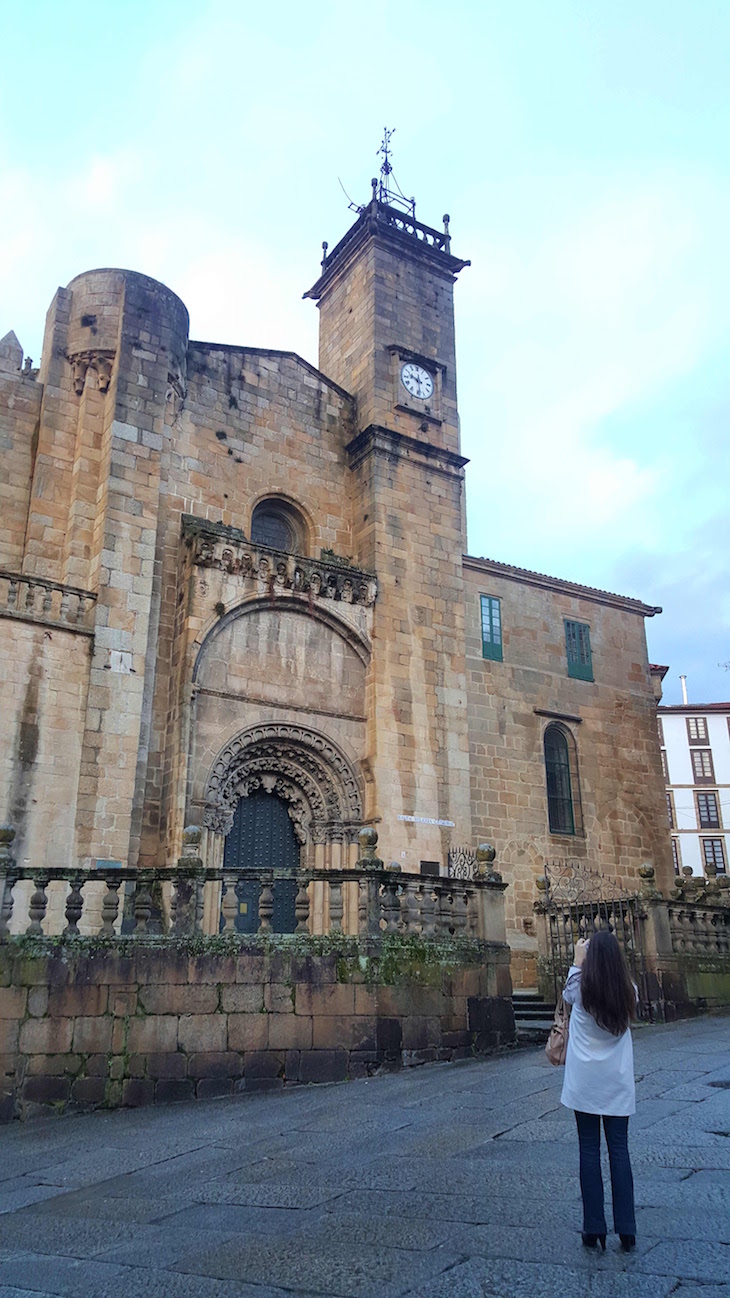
[451, 1181]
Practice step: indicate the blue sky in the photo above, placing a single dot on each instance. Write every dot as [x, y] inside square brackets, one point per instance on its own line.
[581, 150]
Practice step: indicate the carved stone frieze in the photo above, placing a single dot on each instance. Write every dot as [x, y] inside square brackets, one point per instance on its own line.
[98, 359]
[226, 548]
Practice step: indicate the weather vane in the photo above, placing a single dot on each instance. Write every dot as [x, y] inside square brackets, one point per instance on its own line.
[387, 189]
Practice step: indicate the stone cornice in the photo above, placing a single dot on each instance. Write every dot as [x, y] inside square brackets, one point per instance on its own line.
[390, 228]
[376, 440]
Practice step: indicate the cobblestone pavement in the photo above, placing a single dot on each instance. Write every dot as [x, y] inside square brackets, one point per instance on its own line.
[450, 1181]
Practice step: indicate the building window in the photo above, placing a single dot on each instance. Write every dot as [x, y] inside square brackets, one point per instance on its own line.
[578, 648]
[563, 791]
[660, 731]
[670, 811]
[277, 524]
[676, 856]
[708, 812]
[713, 851]
[697, 730]
[702, 767]
[665, 768]
[491, 627]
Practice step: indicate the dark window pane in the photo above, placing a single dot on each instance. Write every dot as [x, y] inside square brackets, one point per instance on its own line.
[491, 628]
[578, 650]
[557, 770]
[670, 811]
[675, 855]
[708, 811]
[270, 528]
[714, 853]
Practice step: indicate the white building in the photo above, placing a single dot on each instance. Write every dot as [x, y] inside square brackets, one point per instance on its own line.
[695, 743]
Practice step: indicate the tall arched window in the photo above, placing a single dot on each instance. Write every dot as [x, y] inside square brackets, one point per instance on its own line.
[563, 793]
[278, 524]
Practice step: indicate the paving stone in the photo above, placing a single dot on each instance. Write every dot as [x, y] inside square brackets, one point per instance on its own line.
[495, 1278]
[454, 1180]
[688, 1260]
[327, 1265]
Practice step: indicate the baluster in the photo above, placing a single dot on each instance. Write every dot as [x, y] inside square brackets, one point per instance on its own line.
[229, 903]
[9, 881]
[142, 906]
[74, 904]
[38, 903]
[459, 909]
[444, 901]
[63, 611]
[30, 594]
[428, 911]
[12, 593]
[266, 905]
[406, 906]
[182, 904]
[301, 906]
[391, 905]
[47, 599]
[109, 906]
[336, 906]
[362, 906]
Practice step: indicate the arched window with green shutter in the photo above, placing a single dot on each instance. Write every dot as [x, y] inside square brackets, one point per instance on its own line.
[562, 782]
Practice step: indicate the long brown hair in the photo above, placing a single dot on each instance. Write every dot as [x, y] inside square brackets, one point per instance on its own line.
[606, 989]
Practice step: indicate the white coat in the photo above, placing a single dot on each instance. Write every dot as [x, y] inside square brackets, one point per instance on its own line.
[599, 1067]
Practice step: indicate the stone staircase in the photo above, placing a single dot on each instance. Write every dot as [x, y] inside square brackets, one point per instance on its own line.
[533, 1017]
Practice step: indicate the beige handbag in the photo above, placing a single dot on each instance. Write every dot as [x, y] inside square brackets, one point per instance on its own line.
[556, 1047]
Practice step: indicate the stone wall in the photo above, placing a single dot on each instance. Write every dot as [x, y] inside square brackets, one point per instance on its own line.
[612, 720]
[44, 674]
[20, 403]
[127, 1024]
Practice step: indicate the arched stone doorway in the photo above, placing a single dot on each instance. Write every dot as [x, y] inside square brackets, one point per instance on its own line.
[313, 782]
[262, 837]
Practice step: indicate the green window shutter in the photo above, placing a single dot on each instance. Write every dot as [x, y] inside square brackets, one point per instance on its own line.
[491, 628]
[578, 648]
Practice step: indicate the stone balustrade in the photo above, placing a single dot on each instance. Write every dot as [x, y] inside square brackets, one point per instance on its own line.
[35, 599]
[191, 898]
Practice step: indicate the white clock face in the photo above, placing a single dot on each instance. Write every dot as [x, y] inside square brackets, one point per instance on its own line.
[417, 381]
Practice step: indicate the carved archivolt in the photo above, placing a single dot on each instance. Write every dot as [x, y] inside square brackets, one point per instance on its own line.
[299, 765]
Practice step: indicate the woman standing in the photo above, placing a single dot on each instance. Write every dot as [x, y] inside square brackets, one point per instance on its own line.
[599, 1081]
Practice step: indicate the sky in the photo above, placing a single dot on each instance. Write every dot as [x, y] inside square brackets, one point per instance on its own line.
[580, 149]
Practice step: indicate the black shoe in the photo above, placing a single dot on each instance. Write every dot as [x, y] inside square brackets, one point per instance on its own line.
[628, 1242]
[592, 1241]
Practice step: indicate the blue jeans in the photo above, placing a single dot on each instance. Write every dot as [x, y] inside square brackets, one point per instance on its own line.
[591, 1181]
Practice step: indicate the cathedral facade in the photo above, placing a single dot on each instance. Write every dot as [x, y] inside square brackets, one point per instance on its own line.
[235, 592]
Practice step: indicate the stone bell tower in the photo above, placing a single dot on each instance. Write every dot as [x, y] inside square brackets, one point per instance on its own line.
[385, 297]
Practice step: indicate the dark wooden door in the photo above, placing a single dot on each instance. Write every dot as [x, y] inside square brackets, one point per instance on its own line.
[262, 838]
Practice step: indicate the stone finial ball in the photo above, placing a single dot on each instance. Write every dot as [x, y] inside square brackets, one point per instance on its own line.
[687, 871]
[485, 852]
[7, 833]
[192, 835]
[646, 871]
[368, 837]
[541, 883]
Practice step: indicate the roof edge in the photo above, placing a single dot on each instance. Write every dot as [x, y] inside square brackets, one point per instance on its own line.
[560, 585]
[273, 351]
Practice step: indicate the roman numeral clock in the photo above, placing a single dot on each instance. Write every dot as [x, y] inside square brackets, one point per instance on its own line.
[417, 381]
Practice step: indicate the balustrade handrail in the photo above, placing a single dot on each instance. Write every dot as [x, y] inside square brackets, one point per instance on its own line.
[29, 579]
[386, 900]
